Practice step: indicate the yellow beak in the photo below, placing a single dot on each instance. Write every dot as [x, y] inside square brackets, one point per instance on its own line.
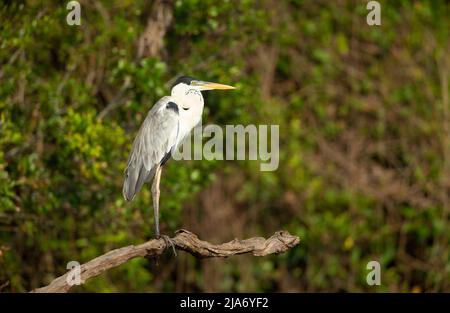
[212, 86]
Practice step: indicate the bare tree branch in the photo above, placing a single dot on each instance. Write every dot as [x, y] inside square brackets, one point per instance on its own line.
[184, 240]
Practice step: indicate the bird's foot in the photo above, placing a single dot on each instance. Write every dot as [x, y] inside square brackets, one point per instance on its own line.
[169, 242]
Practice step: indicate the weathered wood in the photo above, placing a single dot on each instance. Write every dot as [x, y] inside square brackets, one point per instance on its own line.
[184, 240]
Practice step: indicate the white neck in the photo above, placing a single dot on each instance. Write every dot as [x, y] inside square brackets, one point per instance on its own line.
[190, 103]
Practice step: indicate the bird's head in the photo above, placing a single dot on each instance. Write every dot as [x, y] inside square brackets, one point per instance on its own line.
[185, 84]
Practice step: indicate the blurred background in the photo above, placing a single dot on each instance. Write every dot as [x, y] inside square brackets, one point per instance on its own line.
[364, 119]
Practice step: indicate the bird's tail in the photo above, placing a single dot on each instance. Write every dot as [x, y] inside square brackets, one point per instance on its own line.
[135, 177]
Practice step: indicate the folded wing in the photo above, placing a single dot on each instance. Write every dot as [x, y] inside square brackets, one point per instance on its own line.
[152, 145]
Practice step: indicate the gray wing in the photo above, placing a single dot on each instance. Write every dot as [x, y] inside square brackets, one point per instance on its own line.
[155, 139]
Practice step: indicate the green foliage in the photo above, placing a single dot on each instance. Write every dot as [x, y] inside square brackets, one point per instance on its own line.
[364, 136]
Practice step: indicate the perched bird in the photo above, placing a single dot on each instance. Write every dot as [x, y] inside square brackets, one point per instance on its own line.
[167, 123]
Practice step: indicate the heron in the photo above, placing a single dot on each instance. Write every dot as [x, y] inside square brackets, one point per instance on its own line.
[165, 127]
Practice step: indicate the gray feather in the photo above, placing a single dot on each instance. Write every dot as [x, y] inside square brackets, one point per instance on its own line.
[156, 137]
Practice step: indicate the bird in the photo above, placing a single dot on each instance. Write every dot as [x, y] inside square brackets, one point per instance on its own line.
[165, 127]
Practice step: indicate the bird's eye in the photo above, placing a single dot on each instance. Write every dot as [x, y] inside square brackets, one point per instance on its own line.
[185, 108]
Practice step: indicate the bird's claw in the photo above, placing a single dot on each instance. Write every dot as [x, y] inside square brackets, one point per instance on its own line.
[169, 242]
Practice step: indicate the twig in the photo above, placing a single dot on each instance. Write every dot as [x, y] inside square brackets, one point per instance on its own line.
[184, 240]
[118, 99]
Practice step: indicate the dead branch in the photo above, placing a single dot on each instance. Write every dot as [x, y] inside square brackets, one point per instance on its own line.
[184, 240]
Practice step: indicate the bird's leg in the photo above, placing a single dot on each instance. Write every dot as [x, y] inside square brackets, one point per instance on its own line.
[155, 196]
